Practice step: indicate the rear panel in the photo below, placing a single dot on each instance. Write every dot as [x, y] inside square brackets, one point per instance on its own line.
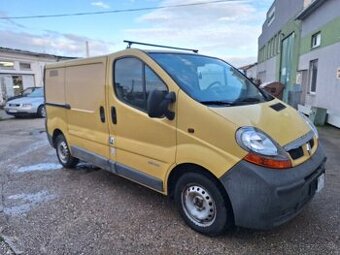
[55, 99]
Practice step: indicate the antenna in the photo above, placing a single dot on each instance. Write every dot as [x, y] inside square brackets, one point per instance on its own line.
[158, 46]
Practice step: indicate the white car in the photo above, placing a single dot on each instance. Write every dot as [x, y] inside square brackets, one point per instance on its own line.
[32, 104]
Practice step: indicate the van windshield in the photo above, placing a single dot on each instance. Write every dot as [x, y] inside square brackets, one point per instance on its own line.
[209, 80]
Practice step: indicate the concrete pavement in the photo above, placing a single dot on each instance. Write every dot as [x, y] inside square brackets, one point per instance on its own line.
[46, 209]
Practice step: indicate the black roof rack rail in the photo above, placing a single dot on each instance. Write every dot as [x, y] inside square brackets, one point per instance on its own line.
[158, 46]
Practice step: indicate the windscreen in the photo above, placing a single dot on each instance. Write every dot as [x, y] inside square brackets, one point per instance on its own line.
[209, 80]
[37, 93]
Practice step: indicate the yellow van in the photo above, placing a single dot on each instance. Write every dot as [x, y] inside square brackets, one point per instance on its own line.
[188, 126]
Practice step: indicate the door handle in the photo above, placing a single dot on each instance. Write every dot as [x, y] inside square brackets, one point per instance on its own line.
[113, 115]
[102, 114]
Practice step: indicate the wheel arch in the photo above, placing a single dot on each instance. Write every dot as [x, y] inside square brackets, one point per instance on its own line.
[55, 134]
[184, 168]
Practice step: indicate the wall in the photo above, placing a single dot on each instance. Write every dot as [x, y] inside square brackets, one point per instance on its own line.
[326, 20]
[327, 12]
[252, 72]
[269, 67]
[285, 10]
[327, 86]
[330, 32]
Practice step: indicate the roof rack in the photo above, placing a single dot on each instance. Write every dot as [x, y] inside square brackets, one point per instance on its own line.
[157, 45]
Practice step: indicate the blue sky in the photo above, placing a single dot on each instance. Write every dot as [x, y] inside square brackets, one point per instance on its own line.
[227, 30]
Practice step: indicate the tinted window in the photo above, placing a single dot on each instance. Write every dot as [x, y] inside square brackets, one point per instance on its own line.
[134, 81]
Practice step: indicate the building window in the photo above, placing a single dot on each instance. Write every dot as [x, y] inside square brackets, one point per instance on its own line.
[271, 16]
[313, 75]
[316, 40]
[6, 65]
[17, 84]
[25, 66]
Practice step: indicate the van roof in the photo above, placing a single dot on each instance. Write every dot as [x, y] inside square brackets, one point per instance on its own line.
[102, 58]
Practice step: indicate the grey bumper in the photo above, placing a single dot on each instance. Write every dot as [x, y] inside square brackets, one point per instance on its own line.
[264, 198]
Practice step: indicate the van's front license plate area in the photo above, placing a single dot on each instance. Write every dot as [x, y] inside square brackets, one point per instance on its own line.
[320, 183]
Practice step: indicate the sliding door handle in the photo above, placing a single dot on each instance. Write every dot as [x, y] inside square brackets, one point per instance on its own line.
[102, 114]
[113, 115]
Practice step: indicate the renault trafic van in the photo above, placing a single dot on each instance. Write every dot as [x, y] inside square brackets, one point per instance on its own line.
[188, 126]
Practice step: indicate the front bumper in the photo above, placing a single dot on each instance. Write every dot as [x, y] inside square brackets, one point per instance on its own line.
[264, 198]
[21, 110]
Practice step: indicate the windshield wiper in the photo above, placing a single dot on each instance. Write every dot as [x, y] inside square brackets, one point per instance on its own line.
[247, 100]
[216, 103]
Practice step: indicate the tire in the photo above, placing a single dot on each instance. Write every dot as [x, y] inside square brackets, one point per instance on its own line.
[41, 111]
[202, 205]
[63, 153]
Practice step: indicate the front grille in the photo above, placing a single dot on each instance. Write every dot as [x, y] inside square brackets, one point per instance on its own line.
[14, 105]
[296, 153]
[296, 147]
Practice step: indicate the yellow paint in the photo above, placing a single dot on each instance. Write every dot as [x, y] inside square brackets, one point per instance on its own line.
[155, 146]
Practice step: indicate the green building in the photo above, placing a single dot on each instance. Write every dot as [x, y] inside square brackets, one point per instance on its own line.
[300, 47]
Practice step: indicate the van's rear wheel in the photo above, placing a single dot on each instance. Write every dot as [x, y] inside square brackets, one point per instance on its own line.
[202, 204]
[63, 153]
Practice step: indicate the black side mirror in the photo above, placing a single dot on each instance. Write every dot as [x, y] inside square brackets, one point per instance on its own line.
[158, 104]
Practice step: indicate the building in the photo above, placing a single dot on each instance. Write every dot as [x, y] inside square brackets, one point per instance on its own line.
[250, 71]
[300, 47]
[22, 69]
[319, 58]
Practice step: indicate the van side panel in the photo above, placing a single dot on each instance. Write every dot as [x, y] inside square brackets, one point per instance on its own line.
[55, 100]
[85, 94]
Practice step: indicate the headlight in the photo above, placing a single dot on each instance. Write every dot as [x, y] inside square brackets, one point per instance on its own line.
[310, 124]
[27, 105]
[262, 150]
[256, 141]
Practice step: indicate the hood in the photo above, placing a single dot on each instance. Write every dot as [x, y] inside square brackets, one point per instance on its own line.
[27, 100]
[283, 125]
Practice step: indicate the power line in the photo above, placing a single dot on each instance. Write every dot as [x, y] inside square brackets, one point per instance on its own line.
[116, 11]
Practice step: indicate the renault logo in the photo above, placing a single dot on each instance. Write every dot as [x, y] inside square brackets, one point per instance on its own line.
[309, 149]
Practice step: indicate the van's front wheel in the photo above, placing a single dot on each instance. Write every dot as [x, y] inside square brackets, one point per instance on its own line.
[63, 153]
[202, 204]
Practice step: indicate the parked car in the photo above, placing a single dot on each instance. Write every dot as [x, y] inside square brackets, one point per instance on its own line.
[24, 93]
[31, 104]
[188, 126]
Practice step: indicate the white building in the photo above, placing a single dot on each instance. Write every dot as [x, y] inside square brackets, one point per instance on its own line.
[22, 69]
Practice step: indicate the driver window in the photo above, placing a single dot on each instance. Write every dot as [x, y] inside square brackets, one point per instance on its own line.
[129, 81]
[153, 82]
[210, 74]
[134, 81]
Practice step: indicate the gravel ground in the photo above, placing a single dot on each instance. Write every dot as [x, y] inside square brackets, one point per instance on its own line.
[5, 248]
[45, 209]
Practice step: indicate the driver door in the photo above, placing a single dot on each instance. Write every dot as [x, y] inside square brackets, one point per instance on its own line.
[144, 147]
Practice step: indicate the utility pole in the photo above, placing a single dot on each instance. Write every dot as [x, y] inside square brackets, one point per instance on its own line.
[87, 49]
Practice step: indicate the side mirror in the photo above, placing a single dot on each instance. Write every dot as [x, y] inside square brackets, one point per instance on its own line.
[158, 104]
